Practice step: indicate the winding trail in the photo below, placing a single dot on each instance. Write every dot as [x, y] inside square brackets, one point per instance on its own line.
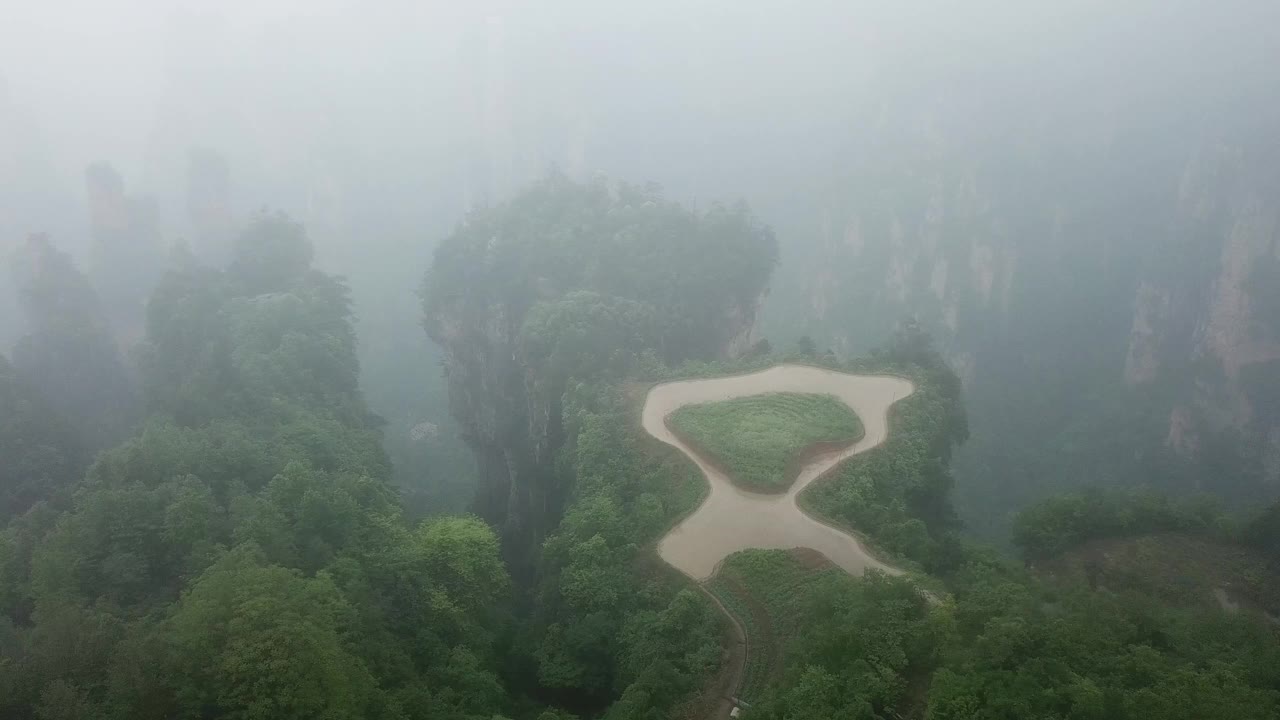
[732, 519]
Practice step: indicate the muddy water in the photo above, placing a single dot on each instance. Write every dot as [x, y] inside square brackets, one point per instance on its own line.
[732, 519]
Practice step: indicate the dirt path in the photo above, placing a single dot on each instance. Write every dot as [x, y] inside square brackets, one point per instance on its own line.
[729, 683]
[732, 519]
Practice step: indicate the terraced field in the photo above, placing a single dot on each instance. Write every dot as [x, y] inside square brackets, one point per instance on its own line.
[766, 590]
[761, 440]
[761, 599]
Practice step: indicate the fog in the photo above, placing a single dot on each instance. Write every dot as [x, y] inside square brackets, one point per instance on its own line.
[408, 113]
[379, 127]
[574, 359]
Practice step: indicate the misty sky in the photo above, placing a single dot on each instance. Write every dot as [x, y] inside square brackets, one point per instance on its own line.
[336, 111]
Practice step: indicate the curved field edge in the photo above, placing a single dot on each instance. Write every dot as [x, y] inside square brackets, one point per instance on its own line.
[788, 595]
[597, 564]
[710, 430]
[1022, 598]
[767, 589]
[823, 503]
[635, 393]
[821, 499]
[894, 497]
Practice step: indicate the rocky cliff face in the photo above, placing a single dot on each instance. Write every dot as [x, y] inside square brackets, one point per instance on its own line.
[511, 419]
[577, 281]
[127, 254]
[1204, 312]
[952, 257]
[488, 398]
[1055, 288]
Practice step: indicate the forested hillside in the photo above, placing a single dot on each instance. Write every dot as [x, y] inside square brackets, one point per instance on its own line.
[1097, 262]
[640, 360]
[1077, 201]
[988, 639]
[42, 454]
[66, 351]
[242, 551]
[242, 554]
[1081, 304]
[578, 281]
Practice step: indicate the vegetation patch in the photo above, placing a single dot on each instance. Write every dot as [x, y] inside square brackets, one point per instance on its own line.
[607, 617]
[897, 494]
[762, 440]
[767, 590]
[822, 643]
[1051, 527]
[1175, 568]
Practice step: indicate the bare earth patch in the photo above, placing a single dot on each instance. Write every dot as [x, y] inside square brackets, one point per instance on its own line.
[732, 519]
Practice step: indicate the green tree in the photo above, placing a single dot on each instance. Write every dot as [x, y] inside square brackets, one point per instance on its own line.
[272, 254]
[259, 641]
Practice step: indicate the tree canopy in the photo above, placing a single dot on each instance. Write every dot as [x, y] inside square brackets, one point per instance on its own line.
[243, 555]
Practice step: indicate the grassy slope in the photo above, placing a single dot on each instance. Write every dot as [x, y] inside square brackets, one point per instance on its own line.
[757, 439]
[767, 589]
[1175, 568]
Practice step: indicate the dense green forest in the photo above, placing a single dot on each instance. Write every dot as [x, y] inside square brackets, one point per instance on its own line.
[242, 554]
[578, 281]
[359, 360]
[222, 534]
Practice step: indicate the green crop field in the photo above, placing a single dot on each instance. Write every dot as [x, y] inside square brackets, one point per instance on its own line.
[768, 590]
[755, 438]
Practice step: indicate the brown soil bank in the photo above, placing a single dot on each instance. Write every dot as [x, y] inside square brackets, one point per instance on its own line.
[731, 518]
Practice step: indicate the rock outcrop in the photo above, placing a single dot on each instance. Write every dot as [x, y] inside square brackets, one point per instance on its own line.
[126, 256]
[577, 282]
[1053, 289]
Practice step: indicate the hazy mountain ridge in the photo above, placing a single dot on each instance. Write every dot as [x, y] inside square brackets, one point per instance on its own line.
[1077, 271]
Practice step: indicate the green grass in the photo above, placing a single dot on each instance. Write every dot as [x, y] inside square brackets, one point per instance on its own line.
[1174, 568]
[757, 439]
[769, 591]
